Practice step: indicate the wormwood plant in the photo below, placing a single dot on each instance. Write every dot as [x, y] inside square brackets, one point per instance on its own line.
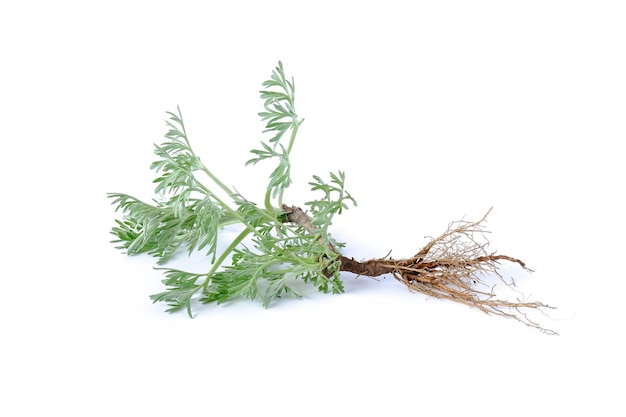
[280, 243]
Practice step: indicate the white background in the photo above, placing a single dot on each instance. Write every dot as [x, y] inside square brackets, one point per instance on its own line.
[435, 110]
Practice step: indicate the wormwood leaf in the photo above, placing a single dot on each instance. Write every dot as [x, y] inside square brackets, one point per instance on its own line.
[205, 228]
[265, 276]
[176, 164]
[334, 200]
[148, 228]
[160, 230]
[265, 153]
[256, 216]
[181, 287]
[280, 117]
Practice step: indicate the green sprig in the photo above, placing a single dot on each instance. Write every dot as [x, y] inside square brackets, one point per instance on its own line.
[269, 252]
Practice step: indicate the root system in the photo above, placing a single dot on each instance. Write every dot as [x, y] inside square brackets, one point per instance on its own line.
[454, 266]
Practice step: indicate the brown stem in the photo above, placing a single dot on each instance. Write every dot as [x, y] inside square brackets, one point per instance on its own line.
[371, 268]
[298, 216]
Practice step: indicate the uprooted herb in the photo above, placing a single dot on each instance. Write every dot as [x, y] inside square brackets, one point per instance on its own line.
[279, 243]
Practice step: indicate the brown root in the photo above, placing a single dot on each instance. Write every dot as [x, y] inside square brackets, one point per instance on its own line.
[452, 266]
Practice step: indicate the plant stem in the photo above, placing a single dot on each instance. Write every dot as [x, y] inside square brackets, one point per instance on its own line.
[224, 255]
[294, 132]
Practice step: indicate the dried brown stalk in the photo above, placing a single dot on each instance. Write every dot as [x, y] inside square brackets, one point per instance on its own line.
[451, 266]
